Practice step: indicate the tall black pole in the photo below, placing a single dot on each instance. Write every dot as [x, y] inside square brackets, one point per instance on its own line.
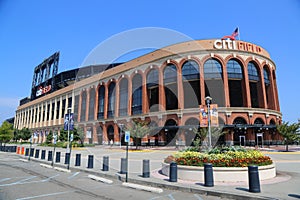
[30, 147]
[127, 162]
[54, 137]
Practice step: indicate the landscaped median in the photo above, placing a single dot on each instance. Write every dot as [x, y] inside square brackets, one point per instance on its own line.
[229, 164]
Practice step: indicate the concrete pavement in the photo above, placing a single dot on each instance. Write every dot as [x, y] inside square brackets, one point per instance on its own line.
[284, 186]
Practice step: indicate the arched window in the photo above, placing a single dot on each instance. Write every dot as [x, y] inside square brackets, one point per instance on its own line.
[267, 85]
[101, 101]
[111, 100]
[83, 106]
[236, 84]
[137, 98]
[213, 79]
[123, 97]
[92, 104]
[170, 85]
[191, 84]
[255, 86]
[153, 90]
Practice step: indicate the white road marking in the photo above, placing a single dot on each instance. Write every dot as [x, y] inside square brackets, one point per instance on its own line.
[44, 195]
[19, 182]
[4, 179]
[75, 174]
[197, 197]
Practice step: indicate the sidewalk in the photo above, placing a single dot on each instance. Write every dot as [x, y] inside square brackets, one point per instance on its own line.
[284, 186]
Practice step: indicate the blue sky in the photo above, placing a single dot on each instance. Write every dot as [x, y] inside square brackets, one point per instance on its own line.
[30, 31]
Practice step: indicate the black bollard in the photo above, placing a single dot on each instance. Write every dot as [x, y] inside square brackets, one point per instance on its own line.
[208, 175]
[43, 157]
[173, 172]
[105, 163]
[146, 168]
[37, 153]
[90, 162]
[253, 177]
[123, 166]
[78, 159]
[57, 158]
[50, 156]
[67, 158]
[14, 149]
[26, 151]
[31, 152]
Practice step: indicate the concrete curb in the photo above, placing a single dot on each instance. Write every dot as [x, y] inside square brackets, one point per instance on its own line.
[46, 166]
[62, 169]
[23, 160]
[103, 180]
[142, 187]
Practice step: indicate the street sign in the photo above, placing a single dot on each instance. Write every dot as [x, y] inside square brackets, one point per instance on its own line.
[127, 136]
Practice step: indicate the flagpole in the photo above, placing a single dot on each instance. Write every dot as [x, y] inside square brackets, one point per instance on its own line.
[239, 33]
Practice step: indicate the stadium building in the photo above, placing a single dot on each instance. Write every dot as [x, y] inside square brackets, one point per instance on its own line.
[167, 88]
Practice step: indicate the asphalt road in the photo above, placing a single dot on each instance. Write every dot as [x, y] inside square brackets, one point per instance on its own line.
[28, 180]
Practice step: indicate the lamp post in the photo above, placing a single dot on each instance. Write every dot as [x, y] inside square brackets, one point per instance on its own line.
[68, 143]
[208, 100]
[121, 129]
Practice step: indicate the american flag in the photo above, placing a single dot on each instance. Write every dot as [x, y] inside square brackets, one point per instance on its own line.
[235, 32]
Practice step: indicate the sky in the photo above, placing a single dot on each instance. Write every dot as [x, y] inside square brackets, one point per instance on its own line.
[31, 31]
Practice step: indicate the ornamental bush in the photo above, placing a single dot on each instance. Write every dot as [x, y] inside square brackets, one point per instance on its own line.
[241, 158]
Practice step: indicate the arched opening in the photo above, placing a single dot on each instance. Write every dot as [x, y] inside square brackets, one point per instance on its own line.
[259, 132]
[213, 79]
[110, 134]
[153, 90]
[191, 84]
[255, 86]
[239, 137]
[236, 84]
[170, 86]
[83, 106]
[190, 135]
[123, 97]
[100, 135]
[170, 131]
[101, 101]
[111, 100]
[137, 95]
[92, 104]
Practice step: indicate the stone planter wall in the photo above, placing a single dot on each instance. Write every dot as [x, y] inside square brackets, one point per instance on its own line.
[221, 174]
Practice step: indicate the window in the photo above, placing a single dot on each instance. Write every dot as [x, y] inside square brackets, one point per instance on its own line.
[123, 97]
[252, 72]
[136, 107]
[191, 84]
[111, 100]
[234, 70]
[152, 90]
[101, 103]
[170, 86]
[212, 69]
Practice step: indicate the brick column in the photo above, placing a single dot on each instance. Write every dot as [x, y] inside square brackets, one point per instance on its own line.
[145, 105]
[105, 101]
[117, 98]
[96, 104]
[226, 88]
[162, 95]
[180, 89]
[129, 97]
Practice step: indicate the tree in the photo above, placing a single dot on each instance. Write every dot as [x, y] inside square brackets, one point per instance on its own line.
[138, 129]
[6, 132]
[25, 134]
[202, 134]
[49, 138]
[78, 135]
[289, 133]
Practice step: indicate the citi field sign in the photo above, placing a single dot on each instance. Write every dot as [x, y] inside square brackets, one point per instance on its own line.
[236, 45]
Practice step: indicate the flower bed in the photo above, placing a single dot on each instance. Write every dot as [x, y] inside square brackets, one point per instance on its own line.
[222, 159]
[228, 166]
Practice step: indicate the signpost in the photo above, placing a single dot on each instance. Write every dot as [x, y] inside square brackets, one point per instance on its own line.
[127, 140]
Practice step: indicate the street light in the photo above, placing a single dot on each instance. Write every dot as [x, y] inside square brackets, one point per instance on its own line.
[68, 146]
[121, 129]
[208, 100]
